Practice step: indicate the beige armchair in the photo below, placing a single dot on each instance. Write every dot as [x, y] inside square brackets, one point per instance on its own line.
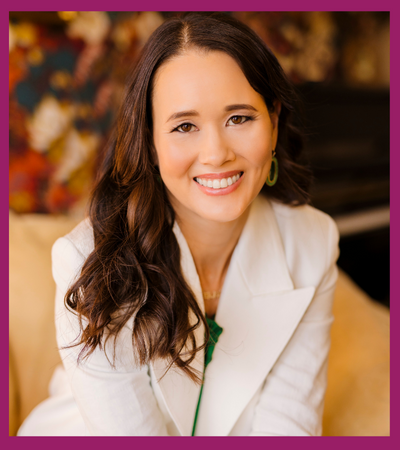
[357, 400]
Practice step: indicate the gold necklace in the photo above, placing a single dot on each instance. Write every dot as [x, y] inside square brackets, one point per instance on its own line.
[209, 295]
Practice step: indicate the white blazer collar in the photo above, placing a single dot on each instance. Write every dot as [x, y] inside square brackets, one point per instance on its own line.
[258, 311]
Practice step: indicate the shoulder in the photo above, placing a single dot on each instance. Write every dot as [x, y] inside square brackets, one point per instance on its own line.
[310, 239]
[70, 252]
[305, 221]
[81, 238]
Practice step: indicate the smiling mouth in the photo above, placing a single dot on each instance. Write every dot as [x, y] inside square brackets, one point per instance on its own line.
[218, 183]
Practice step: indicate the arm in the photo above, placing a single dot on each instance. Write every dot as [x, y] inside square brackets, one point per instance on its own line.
[113, 402]
[292, 398]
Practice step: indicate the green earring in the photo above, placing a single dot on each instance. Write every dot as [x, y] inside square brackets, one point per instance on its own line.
[273, 173]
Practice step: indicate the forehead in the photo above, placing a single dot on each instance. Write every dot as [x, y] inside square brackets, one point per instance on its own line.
[198, 80]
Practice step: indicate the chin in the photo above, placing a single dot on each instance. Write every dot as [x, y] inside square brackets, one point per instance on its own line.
[222, 214]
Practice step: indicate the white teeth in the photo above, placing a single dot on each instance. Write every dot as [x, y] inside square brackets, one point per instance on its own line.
[218, 183]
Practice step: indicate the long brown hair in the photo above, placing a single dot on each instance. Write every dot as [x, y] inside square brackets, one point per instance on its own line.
[134, 269]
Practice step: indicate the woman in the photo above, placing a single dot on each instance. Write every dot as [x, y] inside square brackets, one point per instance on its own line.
[199, 251]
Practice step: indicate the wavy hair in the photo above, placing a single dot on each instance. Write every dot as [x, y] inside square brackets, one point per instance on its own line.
[134, 269]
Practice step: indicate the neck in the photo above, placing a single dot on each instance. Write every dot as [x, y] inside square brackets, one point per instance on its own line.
[211, 244]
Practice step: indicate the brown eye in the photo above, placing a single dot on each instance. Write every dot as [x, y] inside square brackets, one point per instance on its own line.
[185, 127]
[236, 119]
[239, 120]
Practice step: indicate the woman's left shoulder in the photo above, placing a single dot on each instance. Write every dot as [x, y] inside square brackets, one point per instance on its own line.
[305, 221]
[310, 239]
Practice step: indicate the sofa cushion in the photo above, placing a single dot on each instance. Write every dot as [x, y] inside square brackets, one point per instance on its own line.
[357, 401]
[33, 348]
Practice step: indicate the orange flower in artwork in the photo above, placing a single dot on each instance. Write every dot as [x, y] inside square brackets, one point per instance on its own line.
[28, 175]
[17, 68]
[31, 163]
[17, 124]
[23, 202]
[58, 198]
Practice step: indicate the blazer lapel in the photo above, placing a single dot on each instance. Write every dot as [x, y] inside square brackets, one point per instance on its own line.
[258, 310]
[180, 393]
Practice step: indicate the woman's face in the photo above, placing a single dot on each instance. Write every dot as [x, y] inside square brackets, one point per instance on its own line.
[210, 126]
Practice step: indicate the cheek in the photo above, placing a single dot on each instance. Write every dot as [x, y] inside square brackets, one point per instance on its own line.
[256, 147]
[174, 158]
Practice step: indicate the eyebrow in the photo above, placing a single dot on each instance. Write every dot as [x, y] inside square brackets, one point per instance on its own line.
[240, 106]
[180, 114]
[193, 113]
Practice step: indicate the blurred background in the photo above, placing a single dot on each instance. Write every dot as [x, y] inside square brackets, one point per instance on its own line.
[66, 79]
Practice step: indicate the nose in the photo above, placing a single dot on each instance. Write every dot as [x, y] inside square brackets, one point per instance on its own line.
[215, 148]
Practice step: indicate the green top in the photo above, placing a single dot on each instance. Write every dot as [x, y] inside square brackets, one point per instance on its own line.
[215, 332]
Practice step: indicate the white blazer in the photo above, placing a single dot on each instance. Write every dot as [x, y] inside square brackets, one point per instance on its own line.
[267, 376]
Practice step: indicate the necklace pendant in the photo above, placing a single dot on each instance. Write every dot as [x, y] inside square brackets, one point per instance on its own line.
[210, 295]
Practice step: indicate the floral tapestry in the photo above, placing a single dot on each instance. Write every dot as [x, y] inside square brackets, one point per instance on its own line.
[66, 82]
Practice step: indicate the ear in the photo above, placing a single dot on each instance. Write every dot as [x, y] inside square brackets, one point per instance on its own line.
[275, 121]
[276, 113]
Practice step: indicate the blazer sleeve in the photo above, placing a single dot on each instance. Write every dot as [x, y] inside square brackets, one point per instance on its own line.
[292, 398]
[112, 401]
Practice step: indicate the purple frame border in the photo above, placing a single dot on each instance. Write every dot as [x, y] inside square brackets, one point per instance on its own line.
[222, 5]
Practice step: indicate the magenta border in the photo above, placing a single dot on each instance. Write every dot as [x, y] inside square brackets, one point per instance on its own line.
[208, 442]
